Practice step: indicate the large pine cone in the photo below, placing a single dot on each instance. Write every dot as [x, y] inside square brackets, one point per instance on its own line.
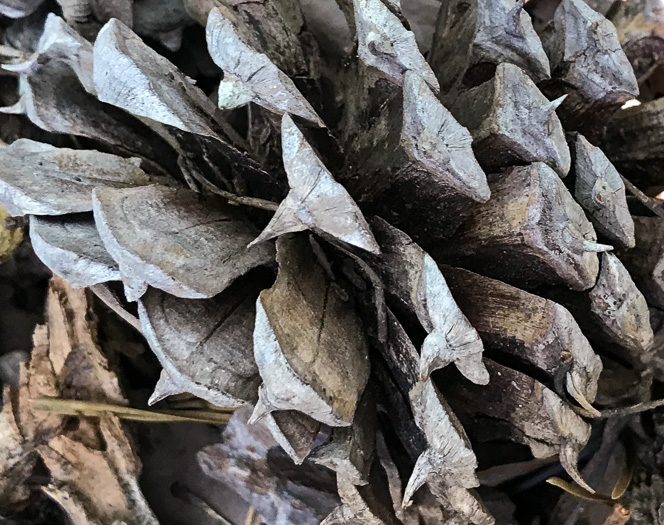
[443, 201]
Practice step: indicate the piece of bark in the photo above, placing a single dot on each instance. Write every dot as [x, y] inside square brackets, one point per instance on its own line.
[204, 345]
[600, 191]
[530, 232]
[247, 461]
[633, 141]
[309, 344]
[40, 179]
[350, 451]
[613, 314]
[448, 465]
[512, 122]
[645, 262]
[154, 233]
[66, 362]
[315, 201]
[413, 280]
[471, 39]
[413, 150]
[588, 64]
[533, 330]
[385, 44]
[85, 475]
[19, 8]
[521, 409]
[71, 247]
[249, 75]
[294, 431]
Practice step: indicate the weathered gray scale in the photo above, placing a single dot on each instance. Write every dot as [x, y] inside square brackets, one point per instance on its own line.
[249, 75]
[532, 415]
[531, 232]
[315, 201]
[600, 191]
[414, 281]
[472, 38]
[204, 345]
[71, 247]
[309, 343]
[40, 179]
[176, 240]
[530, 328]
[512, 122]
[588, 63]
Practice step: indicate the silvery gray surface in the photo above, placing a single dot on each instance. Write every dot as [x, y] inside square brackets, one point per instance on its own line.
[72, 248]
[315, 201]
[40, 179]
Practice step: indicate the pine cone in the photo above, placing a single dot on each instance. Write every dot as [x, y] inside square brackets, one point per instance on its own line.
[400, 251]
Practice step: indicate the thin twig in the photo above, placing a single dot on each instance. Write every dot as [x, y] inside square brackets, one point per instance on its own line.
[237, 199]
[648, 202]
[72, 407]
[579, 492]
[621, 411]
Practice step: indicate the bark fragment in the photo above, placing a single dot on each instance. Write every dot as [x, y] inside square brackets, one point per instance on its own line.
[247, 461]
[530, 232]
[512, 122]
[154, 234]
[79, 474]
[72, 248]
[308, 342]
[40, 179]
